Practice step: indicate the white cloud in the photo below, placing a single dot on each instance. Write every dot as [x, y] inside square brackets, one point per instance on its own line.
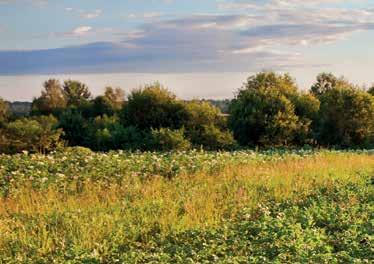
[82, 30]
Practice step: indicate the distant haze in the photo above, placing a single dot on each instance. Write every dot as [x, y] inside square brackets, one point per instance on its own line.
[186, 86]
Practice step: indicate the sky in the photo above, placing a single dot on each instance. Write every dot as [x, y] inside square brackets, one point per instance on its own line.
[197, 48]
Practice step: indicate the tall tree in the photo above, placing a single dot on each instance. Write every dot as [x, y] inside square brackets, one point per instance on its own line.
[116, 97]
[51, 100]
[268, 110]
[325, 82]
[76, 93]
[154, 107]
[346, 117]
[111, 102]
[371, 90]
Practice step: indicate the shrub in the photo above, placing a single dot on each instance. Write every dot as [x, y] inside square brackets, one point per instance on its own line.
[165, 139]
[210, 137]
[206, 127]
[31, 134]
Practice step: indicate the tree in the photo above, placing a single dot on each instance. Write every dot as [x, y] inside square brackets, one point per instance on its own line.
[38, 134]
[346, 117]
[371, 90]
[4, 111]
[109, 103]
[264, 111]
[74, 126]
[76, 93]
[115, 97]
[269, 80]
[154, 107]
[306, 108]
[325, 82]
[263, 117]
[52, 99]
[206, 126]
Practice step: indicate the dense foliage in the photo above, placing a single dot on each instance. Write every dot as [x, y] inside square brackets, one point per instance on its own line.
[78, 206]
[268, 111]
[4, 111]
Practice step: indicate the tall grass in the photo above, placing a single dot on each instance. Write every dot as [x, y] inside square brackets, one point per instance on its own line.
[38, 224]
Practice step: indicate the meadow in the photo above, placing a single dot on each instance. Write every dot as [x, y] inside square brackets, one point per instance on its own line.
[275, 206]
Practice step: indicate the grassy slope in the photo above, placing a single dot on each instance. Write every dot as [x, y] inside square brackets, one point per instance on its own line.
[319, 208]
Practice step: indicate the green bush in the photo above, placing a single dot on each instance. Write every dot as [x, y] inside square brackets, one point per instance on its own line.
[165, 139]
[206, 127]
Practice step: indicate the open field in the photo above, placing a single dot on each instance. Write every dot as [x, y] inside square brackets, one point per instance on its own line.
[187, 207]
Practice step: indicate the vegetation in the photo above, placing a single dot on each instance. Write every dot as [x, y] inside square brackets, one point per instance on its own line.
[268, 111]
[4, 111]
[175, 181]
[39, 134]
[346, 116]
[77, 206]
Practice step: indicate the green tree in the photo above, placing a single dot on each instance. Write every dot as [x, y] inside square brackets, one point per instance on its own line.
[346, 117]
[371, 90]
[76, 93]
[264, 111]
[52, 99]
[306, 108]
[154, 107]
[75, 127]
[111, 102]
[325, 82]
[4, 111]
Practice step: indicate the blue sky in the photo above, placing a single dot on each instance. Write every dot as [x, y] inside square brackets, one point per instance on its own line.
[213, 37]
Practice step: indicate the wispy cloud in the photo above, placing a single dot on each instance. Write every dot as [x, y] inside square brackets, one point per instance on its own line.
[90, 15]
[85, 14]
[267, 35]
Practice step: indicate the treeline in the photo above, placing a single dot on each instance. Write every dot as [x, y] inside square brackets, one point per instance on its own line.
[268, 111]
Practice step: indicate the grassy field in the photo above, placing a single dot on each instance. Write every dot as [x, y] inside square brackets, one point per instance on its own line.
[78, 206]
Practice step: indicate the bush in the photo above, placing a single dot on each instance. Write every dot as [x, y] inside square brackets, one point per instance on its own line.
[210, 137]
[165, 139]
[38, 134]
[206, 127]
[106, 133]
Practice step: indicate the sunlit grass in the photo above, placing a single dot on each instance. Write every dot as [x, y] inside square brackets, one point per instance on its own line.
[41, 222]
